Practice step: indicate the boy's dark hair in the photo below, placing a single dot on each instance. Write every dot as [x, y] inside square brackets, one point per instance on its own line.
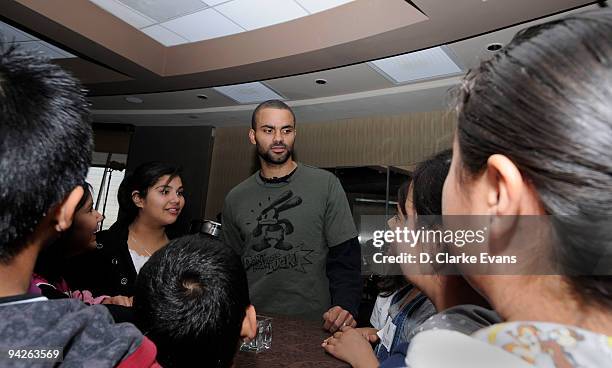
[427, 184]
[45, 143]
[141, 179]
[191, 298]
[270, 104]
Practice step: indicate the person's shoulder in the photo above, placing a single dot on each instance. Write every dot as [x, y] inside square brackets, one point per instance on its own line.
[243, 188]
[318, 177]
[459, 350]
[112, 237]
[90, 330]
[93, 331]
[70, 315]
[115, 230]
[425, 309]
[316, 171]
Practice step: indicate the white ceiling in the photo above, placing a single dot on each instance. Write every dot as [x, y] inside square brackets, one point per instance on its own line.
[12, 35]
[183, 21]
[353, 91]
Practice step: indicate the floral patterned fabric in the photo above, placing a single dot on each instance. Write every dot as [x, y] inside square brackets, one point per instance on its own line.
[550, 345]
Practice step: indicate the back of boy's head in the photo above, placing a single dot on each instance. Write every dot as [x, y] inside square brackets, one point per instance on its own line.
[191, 299]
[45, 143]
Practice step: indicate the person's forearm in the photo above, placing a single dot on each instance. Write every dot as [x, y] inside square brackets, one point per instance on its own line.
[344, 273]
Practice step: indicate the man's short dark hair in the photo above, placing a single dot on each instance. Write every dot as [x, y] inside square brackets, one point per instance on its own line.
[270, 104]
[45, 143]
[191, 298]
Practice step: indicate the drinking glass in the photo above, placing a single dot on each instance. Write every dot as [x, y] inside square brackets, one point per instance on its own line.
[263, 338]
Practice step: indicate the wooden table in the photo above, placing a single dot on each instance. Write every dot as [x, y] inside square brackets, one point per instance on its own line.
[295, 343]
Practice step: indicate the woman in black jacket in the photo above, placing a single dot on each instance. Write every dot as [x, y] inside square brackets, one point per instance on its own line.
[150, 199]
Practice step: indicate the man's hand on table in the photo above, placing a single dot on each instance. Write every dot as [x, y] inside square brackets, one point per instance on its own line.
[351, 346]
[336, 318]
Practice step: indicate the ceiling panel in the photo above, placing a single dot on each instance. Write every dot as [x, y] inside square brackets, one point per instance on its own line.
[415, 66]
[57, 50]
[214, 2]
[123, 12]
[246, 93]
[39, 48]
[470, 52]
[349, 79]
[253, 14]
[167, 100]
[164, 10]
[10, 34]
[314, 6]
[164, 36]
[203, 25]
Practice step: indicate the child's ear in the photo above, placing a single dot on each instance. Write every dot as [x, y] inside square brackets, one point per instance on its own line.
[137, 199]
[249, 324]
[63, 213]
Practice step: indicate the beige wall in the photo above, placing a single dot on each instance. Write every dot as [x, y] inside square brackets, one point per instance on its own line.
[394, 140]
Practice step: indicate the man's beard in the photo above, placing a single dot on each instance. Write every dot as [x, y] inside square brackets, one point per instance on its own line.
[268, 157]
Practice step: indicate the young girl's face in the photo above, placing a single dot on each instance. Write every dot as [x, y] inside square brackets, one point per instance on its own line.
[164, 201]
[84, 227]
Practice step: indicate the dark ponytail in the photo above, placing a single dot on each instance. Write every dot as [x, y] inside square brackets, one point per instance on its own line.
[544, 102]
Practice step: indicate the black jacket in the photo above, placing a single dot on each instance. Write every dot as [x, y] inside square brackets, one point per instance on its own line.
[109, 269]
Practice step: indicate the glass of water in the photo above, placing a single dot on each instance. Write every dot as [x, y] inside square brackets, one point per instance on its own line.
[263, 338]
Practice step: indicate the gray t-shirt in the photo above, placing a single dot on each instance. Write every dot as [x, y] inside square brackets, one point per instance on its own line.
[283, 232]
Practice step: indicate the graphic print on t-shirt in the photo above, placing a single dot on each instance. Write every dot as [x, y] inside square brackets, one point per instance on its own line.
[270, 233]
[272, 227]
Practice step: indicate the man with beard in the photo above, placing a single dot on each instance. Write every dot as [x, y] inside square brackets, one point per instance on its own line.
[292, 225]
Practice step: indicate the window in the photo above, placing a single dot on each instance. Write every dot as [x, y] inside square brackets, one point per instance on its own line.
[105, 196]
[107, 202]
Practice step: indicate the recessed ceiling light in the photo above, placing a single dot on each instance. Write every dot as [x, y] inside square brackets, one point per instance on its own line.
[253, 92]
[202, 97]
[496, 46]
[133, 99]
[321, 81]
